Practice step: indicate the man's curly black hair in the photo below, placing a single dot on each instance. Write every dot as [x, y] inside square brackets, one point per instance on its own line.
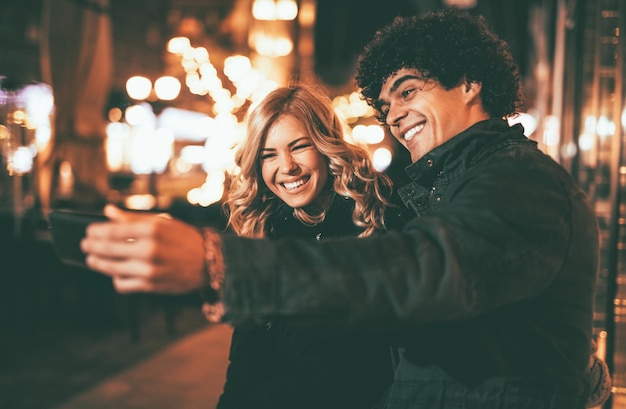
[449, 46]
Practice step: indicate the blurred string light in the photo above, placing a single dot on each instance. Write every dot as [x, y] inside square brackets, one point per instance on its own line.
[138, 87]
[270, 10]
[165, 88]
[224, 131]
[220, 131]
[352, 108]
[605, 127]
[587, 141]
[272, 37]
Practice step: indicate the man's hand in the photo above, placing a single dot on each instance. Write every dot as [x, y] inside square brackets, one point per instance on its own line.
[146, 252]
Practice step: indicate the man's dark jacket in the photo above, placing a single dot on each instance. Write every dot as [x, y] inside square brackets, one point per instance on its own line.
[491, 284]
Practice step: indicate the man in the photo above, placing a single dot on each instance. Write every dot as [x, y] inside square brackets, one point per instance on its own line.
[491, 284]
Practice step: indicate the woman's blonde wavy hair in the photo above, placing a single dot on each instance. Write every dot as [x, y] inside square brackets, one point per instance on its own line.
[249, 202]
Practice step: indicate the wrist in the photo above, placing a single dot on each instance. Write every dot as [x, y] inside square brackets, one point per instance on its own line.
[213, 276]
[213, 259]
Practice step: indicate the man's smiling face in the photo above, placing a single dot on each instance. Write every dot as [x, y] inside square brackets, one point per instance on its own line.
[422, 115]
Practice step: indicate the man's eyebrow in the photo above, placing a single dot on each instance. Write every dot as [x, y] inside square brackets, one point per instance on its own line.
[394, 87]
[401, 80]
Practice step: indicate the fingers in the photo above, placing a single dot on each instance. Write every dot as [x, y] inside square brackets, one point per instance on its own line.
[122, 266]
[116, 245]
[131, 284]
[126, 225]
[113, 212]
[126, 284]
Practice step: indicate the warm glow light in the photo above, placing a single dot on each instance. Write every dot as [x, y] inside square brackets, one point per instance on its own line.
[551, 131]
[464, 4]
[39, 103]
[115, 146]
[162, 149]
[21, 161]
[178, 45]
[590, 124]
[286, 10]
[66, 179]
[586, 142]
[138, 87]
[264, 9]
[374, 134]
[210, 192]
[351, 107]
[568, 150]
[192, 154]
[43, 135]
[150, 150]
[307, 14]
[528, 121]
[271, 46]
[115, 114]
[274, 9]
[201, 54]
[381, 159]
[236, 67]
[370, 134]
[138, 114]
[167, 88]
[605, 127]
[186, 125]
[140, 202]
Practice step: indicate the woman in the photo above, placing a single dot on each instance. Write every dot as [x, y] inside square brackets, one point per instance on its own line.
[299, 178]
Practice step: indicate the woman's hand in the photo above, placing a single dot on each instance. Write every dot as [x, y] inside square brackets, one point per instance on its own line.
[146, 252]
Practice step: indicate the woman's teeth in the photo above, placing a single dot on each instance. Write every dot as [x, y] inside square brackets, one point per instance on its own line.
[293, 185]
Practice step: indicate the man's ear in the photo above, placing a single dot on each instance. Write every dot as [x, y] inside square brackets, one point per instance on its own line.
[472, 90]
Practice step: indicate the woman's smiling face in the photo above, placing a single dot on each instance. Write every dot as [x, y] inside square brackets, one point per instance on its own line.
[291, 166]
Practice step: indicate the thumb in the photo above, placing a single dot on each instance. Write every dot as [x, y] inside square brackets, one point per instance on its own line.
[114, 213]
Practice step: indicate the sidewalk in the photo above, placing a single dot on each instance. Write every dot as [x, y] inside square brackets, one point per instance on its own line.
[188, 374]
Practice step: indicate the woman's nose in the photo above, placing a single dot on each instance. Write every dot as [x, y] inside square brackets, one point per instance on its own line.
[287, 164]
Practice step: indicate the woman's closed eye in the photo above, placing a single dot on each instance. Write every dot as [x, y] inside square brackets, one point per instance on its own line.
[267, 156]
[301, 146]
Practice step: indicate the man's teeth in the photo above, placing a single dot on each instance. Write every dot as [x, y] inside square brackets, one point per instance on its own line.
[411, 132]
[293, 185]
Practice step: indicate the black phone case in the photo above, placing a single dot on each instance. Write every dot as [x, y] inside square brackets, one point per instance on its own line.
[67, 230]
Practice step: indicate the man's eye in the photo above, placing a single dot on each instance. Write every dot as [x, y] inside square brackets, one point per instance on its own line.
[407, 92]
[382, 116]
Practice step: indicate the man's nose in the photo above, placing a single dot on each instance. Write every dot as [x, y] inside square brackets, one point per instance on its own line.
[394, 116]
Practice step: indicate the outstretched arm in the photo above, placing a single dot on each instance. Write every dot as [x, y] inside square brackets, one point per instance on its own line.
[146, 252]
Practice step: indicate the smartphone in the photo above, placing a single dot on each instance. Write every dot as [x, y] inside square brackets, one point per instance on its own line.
[67, 228]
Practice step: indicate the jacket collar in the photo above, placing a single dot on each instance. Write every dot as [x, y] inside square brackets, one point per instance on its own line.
[463, 150]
